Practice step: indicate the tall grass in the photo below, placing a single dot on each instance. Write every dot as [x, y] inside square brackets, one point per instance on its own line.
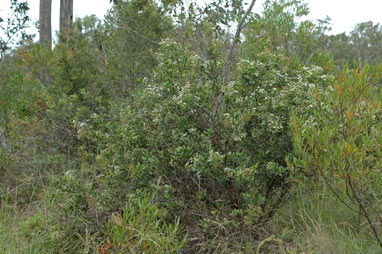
[315, 222]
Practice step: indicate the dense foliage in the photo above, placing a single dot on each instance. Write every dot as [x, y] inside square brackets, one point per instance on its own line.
[340, 142]
[158, 130]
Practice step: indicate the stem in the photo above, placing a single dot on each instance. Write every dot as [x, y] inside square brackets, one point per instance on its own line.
[235, 44]
[232, 54]
[364, 212]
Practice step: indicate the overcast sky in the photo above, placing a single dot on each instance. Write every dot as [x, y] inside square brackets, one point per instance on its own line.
[344, 13]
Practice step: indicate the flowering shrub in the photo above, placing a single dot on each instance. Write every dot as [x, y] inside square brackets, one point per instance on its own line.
[229, 153]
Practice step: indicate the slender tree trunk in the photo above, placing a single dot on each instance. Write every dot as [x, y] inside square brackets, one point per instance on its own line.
[66, 18]
[46, 23]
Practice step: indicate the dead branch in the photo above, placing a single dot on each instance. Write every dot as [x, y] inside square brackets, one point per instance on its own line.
[3, 140]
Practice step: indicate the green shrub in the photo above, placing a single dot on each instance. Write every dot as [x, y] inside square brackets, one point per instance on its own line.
[340, 143]
[230, 155]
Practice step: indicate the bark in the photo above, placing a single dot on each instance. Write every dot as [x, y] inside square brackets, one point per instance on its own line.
[46, 23]
[66, 18]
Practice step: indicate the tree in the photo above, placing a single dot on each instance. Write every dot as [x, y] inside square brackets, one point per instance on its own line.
[340, 47]
[281, 28]
[364, 44]
[46, 22]
[367, 39]
[14, 26]
[66, 17]
[134, 30]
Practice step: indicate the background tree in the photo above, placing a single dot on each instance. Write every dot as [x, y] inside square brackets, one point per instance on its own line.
[281, 28]
[364, 43]
[46, 22]
[14, 25]
[367, 40]
[66, 17]
[340, 47]
[134, 30]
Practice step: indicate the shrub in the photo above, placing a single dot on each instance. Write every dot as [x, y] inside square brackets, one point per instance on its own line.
[229, 155]
[340, 142]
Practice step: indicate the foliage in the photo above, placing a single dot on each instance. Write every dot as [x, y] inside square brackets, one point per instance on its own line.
[362, 44]
[14, 25]
[133, 30]
[171, 131]
[129, 138]
[282, 28]
[141, 229]
[340, 142]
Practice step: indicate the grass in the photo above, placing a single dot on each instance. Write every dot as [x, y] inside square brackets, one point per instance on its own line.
[22, 232]
[319, 223]
[307, 224]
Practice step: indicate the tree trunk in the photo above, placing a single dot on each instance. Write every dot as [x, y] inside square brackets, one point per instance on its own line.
[46, 23]
[66, 18]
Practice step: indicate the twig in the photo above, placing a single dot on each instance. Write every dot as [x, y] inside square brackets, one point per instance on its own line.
[364, 212]
[141, 35]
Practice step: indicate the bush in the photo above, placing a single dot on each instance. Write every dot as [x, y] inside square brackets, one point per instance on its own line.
[224, 156]
[340, 142]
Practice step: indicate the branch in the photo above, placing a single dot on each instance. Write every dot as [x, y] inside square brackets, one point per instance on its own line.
[232, 54]
[202, 46]
[141, 35]
[235, 44]
[4, 141]
[362, 207]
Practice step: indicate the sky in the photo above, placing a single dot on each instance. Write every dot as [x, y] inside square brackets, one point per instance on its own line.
[344, 14]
